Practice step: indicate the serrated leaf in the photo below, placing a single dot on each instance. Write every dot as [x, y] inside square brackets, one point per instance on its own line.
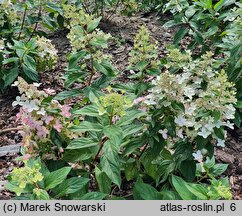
[179, 35]
[91, 110]
[198, 38]
[238, 118]
[218, 169]
[56, 138]
[70, 186]
[87, 126]
[110, 162]
[180, 186]
[114, 133]
[93, 196]
[219, 132]
[239, 104]
[99, 42]
[53, 179]
[30, 62]
[170, 24]
[198, 190]
[68, 94]
[75, 58]
[131, 129]
[92, 25]
[130, 116]
[29, 74]
[144, 191]
[73, 77]
[10, 60]
[104, 183]
[82, 143]
[10, 77]
[212, 30]
[75, 155]
[188, 170]
[43, 195]
[221, 4]
[190, 11]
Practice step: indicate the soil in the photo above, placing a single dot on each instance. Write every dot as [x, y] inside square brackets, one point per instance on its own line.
[123, 30]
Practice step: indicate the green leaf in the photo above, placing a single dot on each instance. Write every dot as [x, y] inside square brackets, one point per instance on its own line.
[43, 195]
[238, 118]
[105, 68]
[104, 183]
[56, 138]
[52, 179]
[206, 4]
[219, 132]
[210, 163]
[92, 25]
[190, 11]
[131, 170]
[198, 190]
[178, 106]
[70, 186]
[29, 74]
[73, 77]
[99, 42]
[131, 129]
[170, 125]
[239, 104]
[198, 37]
[180, 186]
[180, 34]
[110, 162]
[144, 191]
[75, 58]
[50, 7]
[212, 30]
[10, 77]
[87, 126]
[133, 145]
[60, 20]
[114, 133]
[30, 62]
[183, 151]
[153, 71]
[166, 167]
[141, 65]
[93, 196]
[220, 4]
[216, 115]
[91, 110]
[82, 143]
[170, 24]
[75, 155]
[10, 60]
[150, 168]
[130, 116]
[141, 88]
[170, 195]
[218, 169]
[188, 169]
[68, 94]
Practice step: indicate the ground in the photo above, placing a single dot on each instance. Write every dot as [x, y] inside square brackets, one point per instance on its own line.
[123, 29]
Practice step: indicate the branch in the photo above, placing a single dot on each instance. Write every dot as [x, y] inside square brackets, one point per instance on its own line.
[10, 129]
[100, 149]
[23, 21]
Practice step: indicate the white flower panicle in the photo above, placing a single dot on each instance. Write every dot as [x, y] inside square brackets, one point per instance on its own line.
[206, 95]
[47, 54]
[2, 46]
[7, 13]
